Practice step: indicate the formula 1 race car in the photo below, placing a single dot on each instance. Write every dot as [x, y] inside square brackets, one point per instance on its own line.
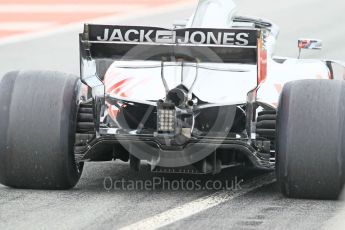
[202, 96]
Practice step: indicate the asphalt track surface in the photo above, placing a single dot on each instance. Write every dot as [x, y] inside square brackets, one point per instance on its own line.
[94, 205]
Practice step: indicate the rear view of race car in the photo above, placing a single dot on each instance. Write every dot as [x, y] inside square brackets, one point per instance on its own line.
[183, 100]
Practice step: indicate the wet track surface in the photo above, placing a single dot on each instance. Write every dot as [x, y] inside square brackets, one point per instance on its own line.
[93, 205]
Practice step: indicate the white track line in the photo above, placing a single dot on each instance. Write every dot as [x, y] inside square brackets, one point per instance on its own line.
[68, 8]
[337, 222]
[24, 26]
[78, 26]
[199, 205]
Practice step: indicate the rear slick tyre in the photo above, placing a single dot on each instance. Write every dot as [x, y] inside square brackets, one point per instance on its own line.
[38, 121]
[310, 140]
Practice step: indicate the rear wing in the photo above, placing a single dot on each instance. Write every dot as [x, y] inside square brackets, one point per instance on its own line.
[204, 45]
[127, 43]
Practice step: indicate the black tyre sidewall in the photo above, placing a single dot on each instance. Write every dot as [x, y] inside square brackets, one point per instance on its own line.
[310, 143]
[38, 151]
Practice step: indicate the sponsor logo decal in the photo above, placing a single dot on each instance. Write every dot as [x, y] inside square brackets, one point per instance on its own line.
[181, 36]
[133, 35]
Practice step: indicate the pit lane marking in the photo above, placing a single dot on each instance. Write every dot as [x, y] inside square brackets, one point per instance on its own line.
[337, 222]
[68, 19]
[68, 8]
[23, 26]
[199, 205]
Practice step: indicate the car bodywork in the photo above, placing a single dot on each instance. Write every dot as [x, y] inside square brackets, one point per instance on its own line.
[196, 98]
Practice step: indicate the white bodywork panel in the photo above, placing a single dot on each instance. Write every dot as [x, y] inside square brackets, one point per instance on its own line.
[141, 80]
[213, 14]
[291, 70]
[228, 84]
